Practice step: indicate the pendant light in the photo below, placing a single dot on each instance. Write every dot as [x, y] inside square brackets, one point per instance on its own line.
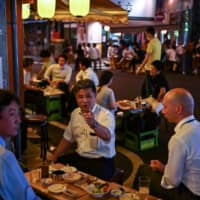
[25, 10]
[46, 8]
[79, 8]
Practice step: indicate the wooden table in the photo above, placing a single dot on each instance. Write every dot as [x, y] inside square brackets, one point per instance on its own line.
[81, 193]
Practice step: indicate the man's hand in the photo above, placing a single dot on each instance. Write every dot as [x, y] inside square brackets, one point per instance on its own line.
[89, 118]
[138, 70]
[156, 165]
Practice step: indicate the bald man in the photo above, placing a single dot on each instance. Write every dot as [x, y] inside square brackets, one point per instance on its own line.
[180, 177]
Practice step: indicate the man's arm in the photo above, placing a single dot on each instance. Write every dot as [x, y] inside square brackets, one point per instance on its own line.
[161, 94]
[62, 147]
[100, 130]
[146, 58]
[156, 165]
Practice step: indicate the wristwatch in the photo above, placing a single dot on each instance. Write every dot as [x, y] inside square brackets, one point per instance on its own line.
[95, 125]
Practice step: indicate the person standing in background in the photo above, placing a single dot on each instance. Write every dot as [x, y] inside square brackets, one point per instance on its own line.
[95, 56]
[153, 52]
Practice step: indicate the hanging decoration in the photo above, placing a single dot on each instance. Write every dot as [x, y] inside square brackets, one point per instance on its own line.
[25, 10]
[46, 8]
[79, 8]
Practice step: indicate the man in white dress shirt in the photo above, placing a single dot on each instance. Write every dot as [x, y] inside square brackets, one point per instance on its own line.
[86, 72]
[180, 177]
[91, 127]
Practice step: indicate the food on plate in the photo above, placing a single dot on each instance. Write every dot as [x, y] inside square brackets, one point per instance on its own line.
[57, 188]
[47, 181]
[98, 189]
[129, 196]
[69, 169]
[72, 177]
[125, 104]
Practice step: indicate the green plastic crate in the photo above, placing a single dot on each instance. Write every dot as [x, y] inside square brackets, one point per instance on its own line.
[141, 141]
[53, 108]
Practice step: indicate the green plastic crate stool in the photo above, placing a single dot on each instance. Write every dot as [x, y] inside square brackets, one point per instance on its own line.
[142, 140]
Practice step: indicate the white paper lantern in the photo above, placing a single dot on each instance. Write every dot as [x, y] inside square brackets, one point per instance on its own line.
[46, 8]
[25, 10]
[79, 8]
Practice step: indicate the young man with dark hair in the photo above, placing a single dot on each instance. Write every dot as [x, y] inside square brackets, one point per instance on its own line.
[86, 72]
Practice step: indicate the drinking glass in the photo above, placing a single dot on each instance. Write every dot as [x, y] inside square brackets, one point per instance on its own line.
[144, 186]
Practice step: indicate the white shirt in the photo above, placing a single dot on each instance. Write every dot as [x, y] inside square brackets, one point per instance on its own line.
[94, 53]
[88, 145]
[59, 73]
[27, 77]
[87, 74]
[171, 54]
[183, 164]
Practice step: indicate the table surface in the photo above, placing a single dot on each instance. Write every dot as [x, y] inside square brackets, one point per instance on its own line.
[76, 187]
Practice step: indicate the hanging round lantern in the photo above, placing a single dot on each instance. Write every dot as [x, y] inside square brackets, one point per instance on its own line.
[79, 8]
[25, 10]
[46, 8]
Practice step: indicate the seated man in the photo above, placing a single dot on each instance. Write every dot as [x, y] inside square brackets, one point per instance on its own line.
[91, 127]
[59, 76]
[86, 72]
[32, 94]
[180, 177]
[157, 83]
[13, 183]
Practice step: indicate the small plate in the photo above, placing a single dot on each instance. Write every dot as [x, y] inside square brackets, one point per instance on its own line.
[69, 169]
[57, 188]
[129, 196]
[72, 177]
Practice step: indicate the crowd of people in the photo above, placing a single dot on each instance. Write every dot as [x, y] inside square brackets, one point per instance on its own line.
[92, 105]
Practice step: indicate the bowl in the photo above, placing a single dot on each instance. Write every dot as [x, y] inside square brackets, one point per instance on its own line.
[98, 189]
[116, 192]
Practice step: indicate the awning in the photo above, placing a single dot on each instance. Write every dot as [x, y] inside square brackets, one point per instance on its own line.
[103, 11]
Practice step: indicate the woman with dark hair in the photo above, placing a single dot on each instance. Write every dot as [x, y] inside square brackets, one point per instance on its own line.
[105, 95]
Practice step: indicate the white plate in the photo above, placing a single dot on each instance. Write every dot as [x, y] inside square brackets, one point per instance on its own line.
[57, 188]
[69, 169]
[129, 196]
[72, 177]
